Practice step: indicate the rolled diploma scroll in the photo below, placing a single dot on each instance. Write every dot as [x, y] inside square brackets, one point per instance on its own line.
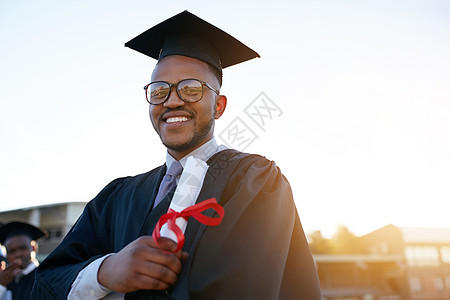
[186, 193]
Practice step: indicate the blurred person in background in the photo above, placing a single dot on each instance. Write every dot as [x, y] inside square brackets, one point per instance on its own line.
[18, 272]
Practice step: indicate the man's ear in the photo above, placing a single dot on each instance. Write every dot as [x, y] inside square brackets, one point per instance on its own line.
[221, 104]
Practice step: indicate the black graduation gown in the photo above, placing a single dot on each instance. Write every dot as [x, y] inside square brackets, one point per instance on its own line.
[21, 290]
[259, 251]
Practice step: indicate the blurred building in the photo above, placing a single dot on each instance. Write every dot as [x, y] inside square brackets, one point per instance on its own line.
[427, 257]
[57, 219]
[402, 263]
[362, 276]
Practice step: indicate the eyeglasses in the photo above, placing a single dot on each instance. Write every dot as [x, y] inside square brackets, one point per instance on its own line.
[189, 90]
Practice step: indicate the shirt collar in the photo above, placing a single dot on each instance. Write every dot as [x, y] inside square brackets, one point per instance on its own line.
[204, 152]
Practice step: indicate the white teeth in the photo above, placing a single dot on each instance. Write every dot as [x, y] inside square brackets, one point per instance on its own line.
[176, 119]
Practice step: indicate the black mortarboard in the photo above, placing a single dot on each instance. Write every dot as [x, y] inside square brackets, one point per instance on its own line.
[188, 35]
[18, 228]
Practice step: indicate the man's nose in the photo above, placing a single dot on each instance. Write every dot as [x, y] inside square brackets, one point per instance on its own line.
[174, 100]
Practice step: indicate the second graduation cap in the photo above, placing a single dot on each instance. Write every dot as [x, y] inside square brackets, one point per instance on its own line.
[18, 228]
[188, 35]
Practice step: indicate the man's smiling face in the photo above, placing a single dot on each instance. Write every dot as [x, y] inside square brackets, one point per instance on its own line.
[183, 126]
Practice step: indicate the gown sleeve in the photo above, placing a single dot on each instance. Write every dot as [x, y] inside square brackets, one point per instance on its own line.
[85, 242]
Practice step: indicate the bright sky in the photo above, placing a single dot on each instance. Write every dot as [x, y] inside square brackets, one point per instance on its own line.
[363, 89]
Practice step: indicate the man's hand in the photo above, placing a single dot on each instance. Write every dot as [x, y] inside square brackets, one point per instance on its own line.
[142, 265]
[8, 272]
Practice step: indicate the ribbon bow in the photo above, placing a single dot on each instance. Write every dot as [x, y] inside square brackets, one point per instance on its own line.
[191, 211]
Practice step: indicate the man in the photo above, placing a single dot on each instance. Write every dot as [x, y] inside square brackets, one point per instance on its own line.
[17, 277]
[258, 251]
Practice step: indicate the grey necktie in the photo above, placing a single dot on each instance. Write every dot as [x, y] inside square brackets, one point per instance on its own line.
[168, 182]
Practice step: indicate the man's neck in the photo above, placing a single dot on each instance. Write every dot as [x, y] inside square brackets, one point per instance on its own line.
[181, 154]
[203, 152]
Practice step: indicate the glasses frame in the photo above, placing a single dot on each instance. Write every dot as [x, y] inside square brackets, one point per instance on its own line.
[178, 92]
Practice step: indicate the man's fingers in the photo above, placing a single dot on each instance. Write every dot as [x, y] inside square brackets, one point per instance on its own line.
[161, 253]
[169, 245]
[139, 275]
[143, 265]
[163, 243]
[142, 282]
[157, 271]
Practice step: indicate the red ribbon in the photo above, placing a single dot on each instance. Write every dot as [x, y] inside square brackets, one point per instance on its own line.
[191, 211]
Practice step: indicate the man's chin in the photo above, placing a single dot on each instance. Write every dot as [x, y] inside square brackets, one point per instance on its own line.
[178, 147]
[188, 144]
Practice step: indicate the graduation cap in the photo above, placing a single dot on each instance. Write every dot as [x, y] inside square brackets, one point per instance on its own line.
[188, 35]
[19, 228]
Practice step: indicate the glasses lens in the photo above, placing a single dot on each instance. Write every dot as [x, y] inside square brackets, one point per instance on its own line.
[158, 92]
[190, 90]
